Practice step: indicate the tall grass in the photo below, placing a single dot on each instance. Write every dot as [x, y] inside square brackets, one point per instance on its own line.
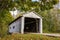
[28, 37]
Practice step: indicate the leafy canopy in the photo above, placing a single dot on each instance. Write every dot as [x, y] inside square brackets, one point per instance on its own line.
[27, 4]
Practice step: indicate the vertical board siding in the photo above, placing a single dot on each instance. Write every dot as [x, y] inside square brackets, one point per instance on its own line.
[17, 25]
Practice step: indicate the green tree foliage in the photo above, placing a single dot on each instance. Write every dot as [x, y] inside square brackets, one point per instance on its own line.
[55, 16]
[26, 5]
[5, 19]
[6, 4]
[51, 20]
[5, 16]
[48, 4]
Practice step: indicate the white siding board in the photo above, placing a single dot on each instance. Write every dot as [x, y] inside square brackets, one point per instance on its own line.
[17, 25]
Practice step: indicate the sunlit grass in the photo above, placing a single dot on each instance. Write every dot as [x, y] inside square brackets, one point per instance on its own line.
[28, 37]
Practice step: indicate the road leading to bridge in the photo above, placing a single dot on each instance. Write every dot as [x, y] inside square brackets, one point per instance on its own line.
[52, 35]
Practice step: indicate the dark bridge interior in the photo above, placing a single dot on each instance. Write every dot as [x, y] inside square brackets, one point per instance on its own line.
[31, 25]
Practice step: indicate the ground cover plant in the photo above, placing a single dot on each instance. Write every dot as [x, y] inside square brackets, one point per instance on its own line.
[28, 37]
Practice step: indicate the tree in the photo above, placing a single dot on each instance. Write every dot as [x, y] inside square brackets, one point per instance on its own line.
[6, 4]
[55, 17]
[48, 4]
[51, 20]
[37, 5]
[26, 5]
[5, 19]
[5, 16]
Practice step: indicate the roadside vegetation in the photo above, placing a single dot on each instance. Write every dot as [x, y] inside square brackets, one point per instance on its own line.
[28, 37]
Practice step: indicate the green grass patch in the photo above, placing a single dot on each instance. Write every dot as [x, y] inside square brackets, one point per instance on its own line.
[28, 37]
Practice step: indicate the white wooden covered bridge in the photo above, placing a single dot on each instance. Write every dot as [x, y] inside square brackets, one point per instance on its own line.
[29, 22]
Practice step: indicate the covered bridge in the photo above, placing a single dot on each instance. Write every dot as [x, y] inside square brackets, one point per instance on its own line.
[29, 22]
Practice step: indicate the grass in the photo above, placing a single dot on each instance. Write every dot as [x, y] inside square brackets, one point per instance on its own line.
[28, 37]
